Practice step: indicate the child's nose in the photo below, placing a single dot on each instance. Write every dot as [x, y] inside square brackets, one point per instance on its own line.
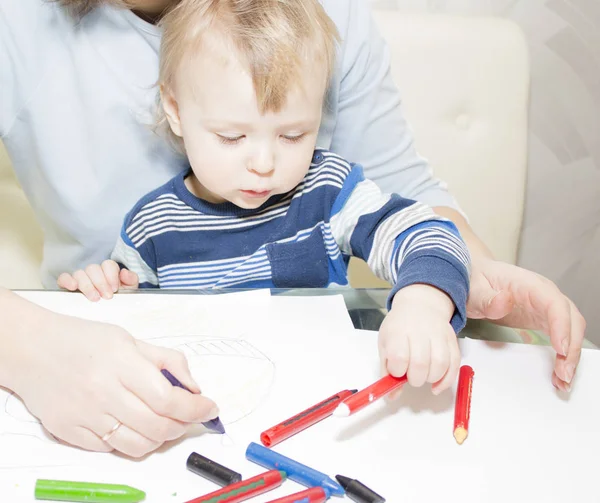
[263, 163]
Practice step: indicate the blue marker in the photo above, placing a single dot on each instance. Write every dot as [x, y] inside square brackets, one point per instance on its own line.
[214, 424]
[302, 474]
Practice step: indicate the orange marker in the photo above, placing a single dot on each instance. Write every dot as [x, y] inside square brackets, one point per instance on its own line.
[462, 407]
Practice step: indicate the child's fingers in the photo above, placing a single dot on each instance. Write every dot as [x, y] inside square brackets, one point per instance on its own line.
[111, 273]
[420, 360]
[129, 280]
[85, 286]
[98, 279]
[440, 360]
[396, 356]
[394, 395]
[66, 281]
[454, 365]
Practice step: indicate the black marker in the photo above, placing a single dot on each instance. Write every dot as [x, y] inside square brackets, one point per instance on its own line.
[211, 470]
[359, 492]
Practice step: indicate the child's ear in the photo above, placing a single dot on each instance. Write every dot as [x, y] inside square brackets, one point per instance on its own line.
[171, 108]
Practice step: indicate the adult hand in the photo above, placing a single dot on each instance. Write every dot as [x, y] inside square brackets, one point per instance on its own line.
[515, 297]
[86, 380]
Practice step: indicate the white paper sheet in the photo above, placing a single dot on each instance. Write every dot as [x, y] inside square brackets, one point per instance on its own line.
[527, 442]
[325, 313]
[151, 315]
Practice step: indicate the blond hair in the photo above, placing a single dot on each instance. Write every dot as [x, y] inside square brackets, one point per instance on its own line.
[274, 39]
[79, 8]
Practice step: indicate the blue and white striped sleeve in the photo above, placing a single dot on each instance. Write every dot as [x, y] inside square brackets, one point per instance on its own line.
[135, 252]
[403, 241]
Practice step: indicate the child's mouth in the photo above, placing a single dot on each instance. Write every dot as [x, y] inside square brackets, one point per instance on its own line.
[256, 194]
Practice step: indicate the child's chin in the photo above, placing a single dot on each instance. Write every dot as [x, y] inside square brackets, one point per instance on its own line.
[250, 205]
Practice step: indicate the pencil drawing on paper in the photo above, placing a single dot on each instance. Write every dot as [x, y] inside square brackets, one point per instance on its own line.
[231, 371]
[24, 443]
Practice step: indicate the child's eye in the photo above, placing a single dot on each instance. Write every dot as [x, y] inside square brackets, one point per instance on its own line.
[230, 140]
[293, 138]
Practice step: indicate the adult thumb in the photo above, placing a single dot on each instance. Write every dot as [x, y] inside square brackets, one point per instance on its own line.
[487, 303]
[172, 360]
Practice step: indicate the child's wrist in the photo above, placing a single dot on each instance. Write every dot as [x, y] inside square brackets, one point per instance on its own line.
[426, 296]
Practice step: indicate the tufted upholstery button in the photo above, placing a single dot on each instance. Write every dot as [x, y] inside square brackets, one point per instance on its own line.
[463, 122]
[317, 158]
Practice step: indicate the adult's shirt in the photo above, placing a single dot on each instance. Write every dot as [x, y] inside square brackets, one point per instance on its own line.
[76, 115]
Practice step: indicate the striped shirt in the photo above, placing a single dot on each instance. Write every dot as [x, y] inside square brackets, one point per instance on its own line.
[303, 238]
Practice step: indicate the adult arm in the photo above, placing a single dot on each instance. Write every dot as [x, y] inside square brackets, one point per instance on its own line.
[8, 85]
[371, 130]
[81, 378]
[515, 297]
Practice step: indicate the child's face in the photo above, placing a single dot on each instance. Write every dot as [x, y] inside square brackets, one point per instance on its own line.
[237, 154]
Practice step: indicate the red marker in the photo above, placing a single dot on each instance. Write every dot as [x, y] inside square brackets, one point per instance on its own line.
[304, 419]
[312, 495]
[245, 489]
[462, 407]
[368, 395]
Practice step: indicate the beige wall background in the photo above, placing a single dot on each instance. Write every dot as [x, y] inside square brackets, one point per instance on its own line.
[561, 233]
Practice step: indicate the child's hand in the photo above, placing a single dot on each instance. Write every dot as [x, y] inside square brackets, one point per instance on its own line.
[99, 280]
[416, 338]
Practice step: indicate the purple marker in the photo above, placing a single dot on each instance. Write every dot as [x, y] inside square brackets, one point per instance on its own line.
[214, 424]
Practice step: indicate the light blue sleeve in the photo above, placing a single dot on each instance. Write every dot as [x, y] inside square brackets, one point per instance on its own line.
[20, 65]
[367, 122]
[8, 105]
[140, 260]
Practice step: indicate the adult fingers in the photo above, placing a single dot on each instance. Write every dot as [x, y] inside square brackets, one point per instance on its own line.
[134, 413]
[485, 301]
[131, 443]
[578, 327]
[84, 438]
[560, 384]
[144, 379]
[498, 306]
[172, 360]
[565, 367]
[558, 316]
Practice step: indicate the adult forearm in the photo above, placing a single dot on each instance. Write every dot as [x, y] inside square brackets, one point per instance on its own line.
[21, 320]
[477, 247]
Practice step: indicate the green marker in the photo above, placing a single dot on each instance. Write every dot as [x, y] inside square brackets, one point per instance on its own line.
[88, 492]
